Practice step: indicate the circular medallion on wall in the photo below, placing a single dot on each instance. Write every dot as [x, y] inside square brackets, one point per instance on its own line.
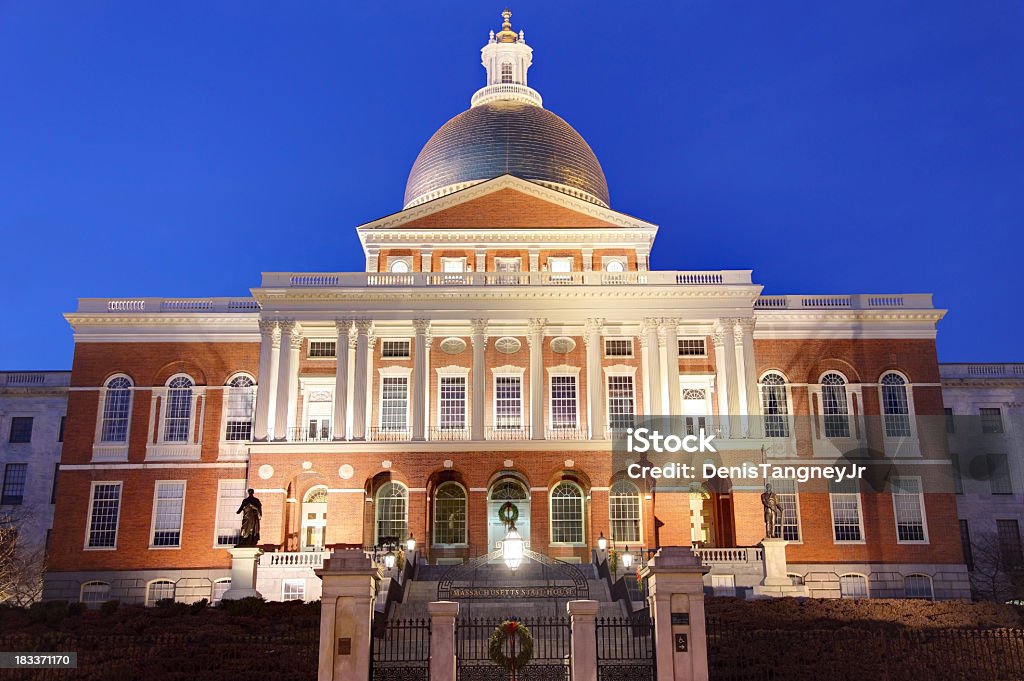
[453, 346]
[306, 465]
[563, 345]
[266, 471]
[508, 463]
[507, 345]
[346, 471]
[385, 464]
[448, 463]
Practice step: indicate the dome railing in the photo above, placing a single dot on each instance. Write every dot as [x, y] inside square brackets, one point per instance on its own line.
[506, 91]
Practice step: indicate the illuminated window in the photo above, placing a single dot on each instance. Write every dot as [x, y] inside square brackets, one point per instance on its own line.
[392, 512]
[775, 405]
[624, 512]
[239, 401]
[506, 72]
[834, 407]
[908, 504]
[450, 514]
[895, 406]
[178, 413]
[566, 514]
[117, 405]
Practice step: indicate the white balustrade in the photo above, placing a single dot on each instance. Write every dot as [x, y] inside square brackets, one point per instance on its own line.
[295, 559]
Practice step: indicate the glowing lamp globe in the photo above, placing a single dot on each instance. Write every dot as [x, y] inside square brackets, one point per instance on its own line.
[512, 549]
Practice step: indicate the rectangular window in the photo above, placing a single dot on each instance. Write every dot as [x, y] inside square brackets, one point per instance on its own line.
[618, 347]
[14, 484]
[169, 505]
[908, 504]
[950, 422]
[846, 518]
[238, 407]
[453, 264]
[958, 478]
[560, 265]
[999, 474]
[452, 396]
[323, 349]
[786, 492]
[564, 404]
[230, 494]
[965, 544]
[21, 429]
[508, 402]
[53, 488]
[621, 402]
[692, 347]
[103, 515]
[60, 431]
[991, 420]
[395, 349]
[293, 590]
[1009, 544]
[394, 403]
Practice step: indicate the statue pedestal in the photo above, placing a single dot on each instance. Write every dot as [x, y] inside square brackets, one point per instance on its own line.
[776, 582]
[243, 573]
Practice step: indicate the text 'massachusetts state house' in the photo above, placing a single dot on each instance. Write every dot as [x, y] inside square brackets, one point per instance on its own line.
[506, 326]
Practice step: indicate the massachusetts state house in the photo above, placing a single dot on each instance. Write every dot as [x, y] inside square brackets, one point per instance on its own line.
[506, 325]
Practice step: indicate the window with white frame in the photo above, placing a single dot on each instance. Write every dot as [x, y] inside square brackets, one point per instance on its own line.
[566, 514]
[564, 402]
[450, 514]
[775, 405]
[506, 72]
[178, 411]
[621, 402]
[220, 587]
[323, 349]
[400, 266]
[239, 401]
[998, 474]
[786, 491]
[94, 594]
[835, 409]
[160, 590]
[561, 269]
[692, 347]
[392, 512]
[853, 586]
[917, 586]
[395, 349]
[230, 494]
[104, 512]
[508, 402]
[293, 590]
[453, 265]
[168, 507]
[895, 405]
[615, 266]
[618, 347]
[394, 403]
[624, 512]
[695, 409]
[452, 402]
[117, 407]
[846, 513]
[908, 505]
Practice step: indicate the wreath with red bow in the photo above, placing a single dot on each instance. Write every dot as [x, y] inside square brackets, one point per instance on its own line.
[515, 637]
[508, 514]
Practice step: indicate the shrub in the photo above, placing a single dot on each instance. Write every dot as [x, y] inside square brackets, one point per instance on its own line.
[50, 613]
[198, 607]
[76, 609]
[245, 607]
[110, 607]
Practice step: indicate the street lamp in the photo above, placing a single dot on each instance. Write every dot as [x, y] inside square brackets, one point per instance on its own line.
[512, 548]
[627, 559]
[602, 543]
[410, 543]
[389, 559]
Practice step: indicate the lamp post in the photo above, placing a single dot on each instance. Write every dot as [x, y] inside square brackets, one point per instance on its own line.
[389, 558]
[627, 559]
[602, 543]
[410, 543]
[512, 549]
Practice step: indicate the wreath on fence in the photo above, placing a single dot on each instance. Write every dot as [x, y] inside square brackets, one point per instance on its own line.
[508, 514]
[516, 636]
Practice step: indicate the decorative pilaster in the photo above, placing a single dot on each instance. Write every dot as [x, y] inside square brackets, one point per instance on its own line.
[284, 371]
[419, 376]
[652, 363]
[588, 260]
[344, 328]
[721, 382]
[534, 260]
[480, 261]
[360, 393]
[671, 335]
[266, 389]
[595, 404]
[479, 339]
[372, 264]
[728, 351]
[426, 256]
[535, 339]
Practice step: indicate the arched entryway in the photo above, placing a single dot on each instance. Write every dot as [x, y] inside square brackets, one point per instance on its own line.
[513, 491]
[314, 519]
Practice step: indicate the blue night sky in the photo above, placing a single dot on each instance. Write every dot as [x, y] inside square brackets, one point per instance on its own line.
[179, 149]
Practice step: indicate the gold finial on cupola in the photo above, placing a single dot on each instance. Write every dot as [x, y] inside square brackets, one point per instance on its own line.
[506, 35]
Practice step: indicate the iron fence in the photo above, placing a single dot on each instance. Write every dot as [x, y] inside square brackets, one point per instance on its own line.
[402, 653]
[625, 649]
[552, 647]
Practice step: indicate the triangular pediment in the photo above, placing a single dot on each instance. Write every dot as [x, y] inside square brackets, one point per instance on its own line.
[506, 202]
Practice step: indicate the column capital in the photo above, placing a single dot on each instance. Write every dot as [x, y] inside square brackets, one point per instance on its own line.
[479, 327]
[286, 325]
[744, 324]
[363, 326]
[371, 341]
[718, 339]
[421, 326]
[650, 324]
[295, 341]
[537, 324]
[268, 326]
[343, 326]
[593, 325]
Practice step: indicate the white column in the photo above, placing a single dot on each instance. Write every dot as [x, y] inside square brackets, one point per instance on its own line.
[284, 370]
[748, 376]
[419, 376]
[359, 379]
[442, 638]
[721, 382]
[344, 326]
[270, 350]
[674, 404]
[595, 401]
[479, 339]
[652, 377]
[725, 327]
[294, 349]
[371, 343]
[535, 339]
[740, 384]
[583, 615]
[642, 256]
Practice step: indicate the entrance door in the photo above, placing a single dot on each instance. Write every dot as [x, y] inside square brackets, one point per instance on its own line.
[314, 519]
[507, 490]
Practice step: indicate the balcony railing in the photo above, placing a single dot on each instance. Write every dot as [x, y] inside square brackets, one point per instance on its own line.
[378, 434]
[295, 559]
[449, 434]
[866, 301]
[427, 279]
[566, 433]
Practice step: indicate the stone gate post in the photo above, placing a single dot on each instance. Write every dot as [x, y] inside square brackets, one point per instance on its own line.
[584, 638]
[346, 616]
[442, 638]
[675, 581]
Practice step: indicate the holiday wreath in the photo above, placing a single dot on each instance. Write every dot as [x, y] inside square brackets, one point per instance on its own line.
[508, 514]
[518, 637]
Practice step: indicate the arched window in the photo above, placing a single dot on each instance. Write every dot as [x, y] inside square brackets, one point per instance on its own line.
[506, 72]
[317, 495]
[117, 407]
[853, 586]
[161, 589]
[624, 512]
[834, 407]
[178, 414]
[566, 514]
[239, 400]
[95, 593]
[220, 587]
[509, 490]
[774, 405]
[450, 514]
[392, 512]
[400, 267]
[895, 405]
[917, 586]
[614, 266]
